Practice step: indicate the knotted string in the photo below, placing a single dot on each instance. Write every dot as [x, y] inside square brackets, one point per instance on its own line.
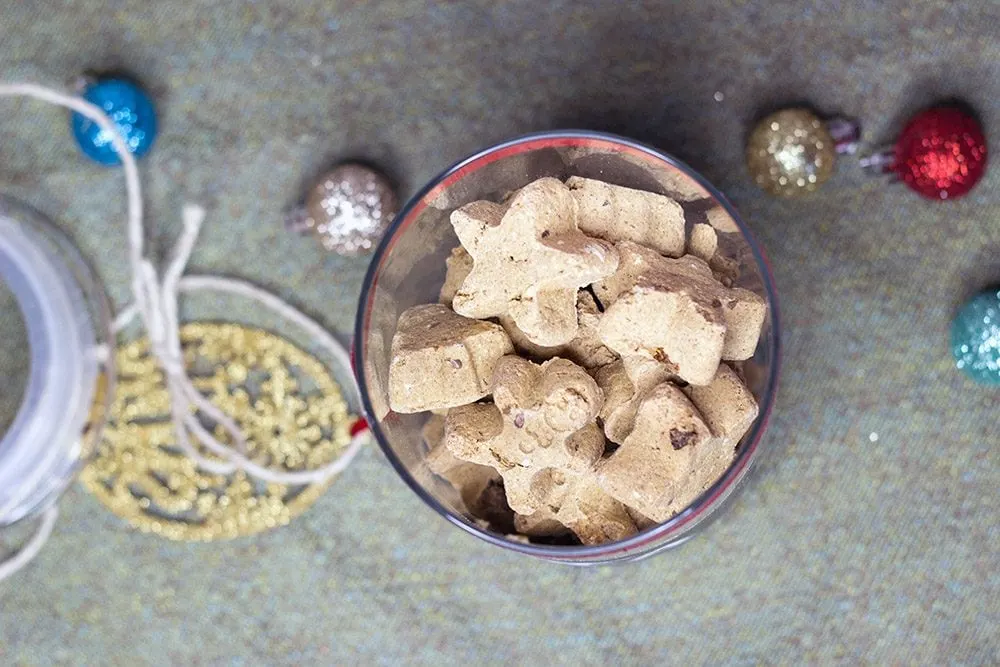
[155, 303]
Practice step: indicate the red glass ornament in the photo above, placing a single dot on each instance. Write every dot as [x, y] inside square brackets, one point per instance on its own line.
[941, 153]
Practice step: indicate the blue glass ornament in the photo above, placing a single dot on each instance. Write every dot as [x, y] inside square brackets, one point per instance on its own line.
[975, 337]
[129, 107]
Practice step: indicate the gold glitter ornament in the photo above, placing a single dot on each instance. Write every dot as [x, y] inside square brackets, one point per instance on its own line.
[348, 210]
[285, 401]
[791, 152]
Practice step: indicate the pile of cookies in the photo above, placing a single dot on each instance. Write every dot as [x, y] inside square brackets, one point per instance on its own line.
[577, 363]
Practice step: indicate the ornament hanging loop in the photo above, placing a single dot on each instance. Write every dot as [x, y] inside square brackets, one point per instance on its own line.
[883, 161]
[846, 134]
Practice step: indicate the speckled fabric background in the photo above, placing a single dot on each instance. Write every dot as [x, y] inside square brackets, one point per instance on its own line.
[871, 531]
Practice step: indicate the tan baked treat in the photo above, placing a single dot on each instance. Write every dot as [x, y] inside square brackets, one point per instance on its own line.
[726, 405]
[616, 213]
[514, 537]
[469, 479]
[624, 391]
[542, 417]
[442, 360]
[528, 487]
[639, 265]
[539, 524]
[729, 410]
[717, 250]
[586, 349]
[656, 462]
[618, 411]
[642, 522]
[542, 439]
[721, 220]
[644, 371]
[375, 364]
[703, 242]
[744, 312]
[432, 432]
[676, 312]
[675, 183]
[585, 508]
[725, 262]
[459, 264]
[713, 459]
[529, 259]
[672, 327]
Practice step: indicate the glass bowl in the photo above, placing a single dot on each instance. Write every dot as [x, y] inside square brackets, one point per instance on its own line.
[408, 268]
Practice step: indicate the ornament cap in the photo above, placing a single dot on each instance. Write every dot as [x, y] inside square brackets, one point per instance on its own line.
[881, 161]
[297, 221]
[79, 83]
[846, 134]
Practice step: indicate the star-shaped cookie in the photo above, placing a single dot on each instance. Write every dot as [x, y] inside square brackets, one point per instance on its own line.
[529, 258]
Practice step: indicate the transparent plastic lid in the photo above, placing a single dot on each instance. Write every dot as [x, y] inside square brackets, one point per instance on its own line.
[65, 399]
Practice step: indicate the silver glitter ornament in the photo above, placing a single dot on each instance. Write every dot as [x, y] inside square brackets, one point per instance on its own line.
[348, 210]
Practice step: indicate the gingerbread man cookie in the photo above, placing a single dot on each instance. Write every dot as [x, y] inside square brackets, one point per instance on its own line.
[542, 417]
[542, 438]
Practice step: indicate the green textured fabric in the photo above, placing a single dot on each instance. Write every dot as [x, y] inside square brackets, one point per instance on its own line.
[869, 533]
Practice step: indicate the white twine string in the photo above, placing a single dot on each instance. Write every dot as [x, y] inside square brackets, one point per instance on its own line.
[155, 302]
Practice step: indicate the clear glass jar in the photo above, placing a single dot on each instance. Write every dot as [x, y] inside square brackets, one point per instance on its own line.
[57, 421]
[408, 269]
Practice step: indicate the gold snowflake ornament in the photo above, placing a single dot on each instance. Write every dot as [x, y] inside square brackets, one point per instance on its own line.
[285, 401]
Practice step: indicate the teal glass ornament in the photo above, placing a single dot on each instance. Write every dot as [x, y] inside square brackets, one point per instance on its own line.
[129, 107]
[975, 337]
